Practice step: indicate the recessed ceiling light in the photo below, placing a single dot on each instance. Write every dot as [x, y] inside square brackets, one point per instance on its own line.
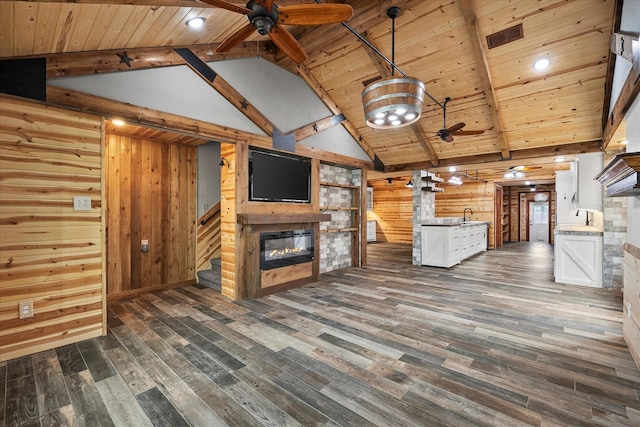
[195, 22]
[452, 169]
[117, 122]
[541, 64]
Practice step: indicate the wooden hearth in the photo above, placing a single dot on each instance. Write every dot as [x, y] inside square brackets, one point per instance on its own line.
[260, 283]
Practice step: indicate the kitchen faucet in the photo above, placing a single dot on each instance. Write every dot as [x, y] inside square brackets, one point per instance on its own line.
[586, 222]
[464, 214]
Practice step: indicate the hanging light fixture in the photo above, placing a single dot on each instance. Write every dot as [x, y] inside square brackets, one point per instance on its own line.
[514, 174]
[455, 180]
[409, 184]
[395, 101]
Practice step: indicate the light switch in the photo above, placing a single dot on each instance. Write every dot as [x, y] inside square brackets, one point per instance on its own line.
[81, 203]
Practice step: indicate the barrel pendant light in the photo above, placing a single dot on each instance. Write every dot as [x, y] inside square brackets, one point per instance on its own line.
[395, 101]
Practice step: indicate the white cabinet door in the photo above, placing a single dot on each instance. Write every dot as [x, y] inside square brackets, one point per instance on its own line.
[578, 260]
[440, 246]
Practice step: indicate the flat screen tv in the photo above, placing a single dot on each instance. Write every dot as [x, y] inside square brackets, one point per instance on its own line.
[275, 177]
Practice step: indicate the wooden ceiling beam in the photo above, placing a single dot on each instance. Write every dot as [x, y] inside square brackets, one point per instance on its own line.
[155, 3]
[468, 11]
[109, 61]
[314, 128]
[228, 92]
[530, 156]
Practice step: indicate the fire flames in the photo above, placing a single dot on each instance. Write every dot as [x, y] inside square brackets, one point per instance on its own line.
[284, 252]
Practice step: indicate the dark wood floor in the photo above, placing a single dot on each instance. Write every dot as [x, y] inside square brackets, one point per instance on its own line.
[490, 342]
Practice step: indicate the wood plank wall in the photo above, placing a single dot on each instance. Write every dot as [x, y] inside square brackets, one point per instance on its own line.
[631, 318]
[477, 195]
[50, 254]
[229, 207]
[151, 195]
[392, 210]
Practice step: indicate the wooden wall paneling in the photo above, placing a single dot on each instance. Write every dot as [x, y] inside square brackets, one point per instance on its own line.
[124, 211]
[363, 218]
[150, 196]
[135, 205]
[156, 221]
[50, 254]
[233, 202]
[631, 300]
[175, 233]
[499, 218]
[192, 161]
[477, 195]
[144, 196]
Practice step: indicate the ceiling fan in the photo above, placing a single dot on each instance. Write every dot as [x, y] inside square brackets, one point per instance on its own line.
[268, 18]
[524, 168]
[446, 133]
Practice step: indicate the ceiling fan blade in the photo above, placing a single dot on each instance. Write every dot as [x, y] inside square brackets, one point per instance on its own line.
[469, 132]
[456, 127]
[267, 4]
[524, 168]
[314, 14]
[236, 38]
[288, 44]
[228, 6]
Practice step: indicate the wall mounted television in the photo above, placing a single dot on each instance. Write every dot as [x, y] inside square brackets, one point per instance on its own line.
[276, 177]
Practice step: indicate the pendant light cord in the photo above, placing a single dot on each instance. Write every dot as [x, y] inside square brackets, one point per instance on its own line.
[391, 62]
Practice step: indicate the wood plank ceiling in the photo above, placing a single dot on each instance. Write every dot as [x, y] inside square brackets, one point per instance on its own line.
[524, 114]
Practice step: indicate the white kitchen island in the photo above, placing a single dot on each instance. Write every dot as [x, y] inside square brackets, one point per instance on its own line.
[447, 244]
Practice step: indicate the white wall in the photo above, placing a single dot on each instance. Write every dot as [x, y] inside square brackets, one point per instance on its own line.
[208, 176]
[630, 21]
[284, 98]
[632, 119]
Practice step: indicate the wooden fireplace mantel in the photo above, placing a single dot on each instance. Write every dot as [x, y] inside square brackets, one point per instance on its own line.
[256, 219]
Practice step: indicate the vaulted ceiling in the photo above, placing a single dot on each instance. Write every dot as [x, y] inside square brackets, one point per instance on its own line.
[524, 115]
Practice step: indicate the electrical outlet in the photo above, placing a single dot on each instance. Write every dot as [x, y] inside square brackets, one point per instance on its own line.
[81, 203]
[629, 310]
[145, 246]
[25, 309]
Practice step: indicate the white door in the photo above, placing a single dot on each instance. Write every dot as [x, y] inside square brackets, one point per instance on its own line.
[539, 222]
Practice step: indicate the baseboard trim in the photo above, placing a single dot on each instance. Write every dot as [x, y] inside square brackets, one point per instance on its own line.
[134, 292]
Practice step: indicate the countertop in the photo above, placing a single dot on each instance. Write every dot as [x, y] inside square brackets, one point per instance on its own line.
[577, 230]
[445, 222]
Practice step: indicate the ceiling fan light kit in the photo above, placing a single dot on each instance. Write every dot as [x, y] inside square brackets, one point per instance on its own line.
[514, 174]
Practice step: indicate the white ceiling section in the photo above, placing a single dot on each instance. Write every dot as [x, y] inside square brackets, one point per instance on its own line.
[284, 98]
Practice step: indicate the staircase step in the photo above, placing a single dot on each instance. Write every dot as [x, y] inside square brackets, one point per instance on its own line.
[210, 278]
[215, 263]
